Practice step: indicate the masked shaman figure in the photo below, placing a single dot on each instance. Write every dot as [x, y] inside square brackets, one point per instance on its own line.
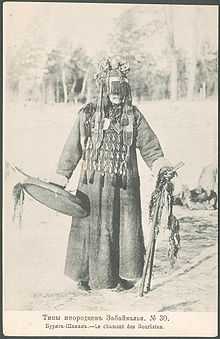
[106, 249]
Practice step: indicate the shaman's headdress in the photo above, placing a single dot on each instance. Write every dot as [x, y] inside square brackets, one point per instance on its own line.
[112, 75]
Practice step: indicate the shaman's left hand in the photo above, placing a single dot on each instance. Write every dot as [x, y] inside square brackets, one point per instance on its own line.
[168, 173]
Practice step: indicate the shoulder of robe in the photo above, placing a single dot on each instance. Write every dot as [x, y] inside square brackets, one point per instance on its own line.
[88, 109]
[137, 114]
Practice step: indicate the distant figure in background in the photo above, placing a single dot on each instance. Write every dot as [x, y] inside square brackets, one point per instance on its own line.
[106, 249]
[205, 195]
[201, 199]
[208, 179]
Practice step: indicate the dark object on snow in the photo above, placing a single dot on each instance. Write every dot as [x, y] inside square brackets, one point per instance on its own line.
[205, 195]
[197, 198]
[18, 196]
[162, 196]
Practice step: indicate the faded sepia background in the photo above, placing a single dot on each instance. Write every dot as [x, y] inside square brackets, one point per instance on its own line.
[51, 52]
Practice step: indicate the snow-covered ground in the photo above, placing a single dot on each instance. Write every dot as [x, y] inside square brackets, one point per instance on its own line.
[34, 256]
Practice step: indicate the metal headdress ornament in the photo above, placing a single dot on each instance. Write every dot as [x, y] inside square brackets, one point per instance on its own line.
[112, 77]
[112, 65]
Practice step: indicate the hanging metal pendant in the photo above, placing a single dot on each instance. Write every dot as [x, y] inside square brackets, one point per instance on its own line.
[124, 119]
[106, 124]
[84, 180]
[111, 156]
[99, 166]
[124, 179]
[110, 168]
[102, 179]
[91, 178]
[114, 180]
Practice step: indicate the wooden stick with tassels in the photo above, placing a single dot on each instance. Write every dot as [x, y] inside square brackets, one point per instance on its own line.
[152, 243]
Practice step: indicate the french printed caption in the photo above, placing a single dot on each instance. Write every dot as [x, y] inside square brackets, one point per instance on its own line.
[109, 321]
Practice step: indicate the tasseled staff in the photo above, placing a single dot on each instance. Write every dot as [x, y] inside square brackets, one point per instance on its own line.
[164, 188]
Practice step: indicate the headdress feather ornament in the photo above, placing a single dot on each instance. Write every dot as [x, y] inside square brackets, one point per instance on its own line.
[108, 65]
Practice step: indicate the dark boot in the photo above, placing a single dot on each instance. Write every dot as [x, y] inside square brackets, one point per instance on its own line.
[83, 285]
[124, 285]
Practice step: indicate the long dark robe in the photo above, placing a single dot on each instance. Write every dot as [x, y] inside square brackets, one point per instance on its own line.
[109, 243]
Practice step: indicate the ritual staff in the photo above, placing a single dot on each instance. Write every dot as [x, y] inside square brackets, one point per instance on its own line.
[106, 249]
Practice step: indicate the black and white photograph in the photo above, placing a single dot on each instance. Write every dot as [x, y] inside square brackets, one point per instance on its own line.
[110, 197]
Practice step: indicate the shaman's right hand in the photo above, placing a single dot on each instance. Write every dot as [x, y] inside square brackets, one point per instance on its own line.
[59, 179]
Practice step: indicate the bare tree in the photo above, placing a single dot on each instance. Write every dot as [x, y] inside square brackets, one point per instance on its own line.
[63, 73]
[193, 51]
[169, 10]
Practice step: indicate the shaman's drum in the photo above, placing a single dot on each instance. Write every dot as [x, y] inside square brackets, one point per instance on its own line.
[57, 198]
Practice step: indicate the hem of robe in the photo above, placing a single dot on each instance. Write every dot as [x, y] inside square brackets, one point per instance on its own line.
[77, 278]
[131, 280]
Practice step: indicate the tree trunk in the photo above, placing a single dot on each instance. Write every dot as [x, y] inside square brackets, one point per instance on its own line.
[191, 77]
[89, 93]
[172, 52]
[57, 91]
[44, 91]
[19, 91]
[71, 93]
[173, 78]
[64, 85]
[50, 92]
[193, 55]
[85, 80]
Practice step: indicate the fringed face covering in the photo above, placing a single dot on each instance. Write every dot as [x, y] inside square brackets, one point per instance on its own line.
[107, 146]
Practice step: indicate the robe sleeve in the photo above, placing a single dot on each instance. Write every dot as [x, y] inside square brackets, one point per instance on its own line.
[147, 141]
[72, 151]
